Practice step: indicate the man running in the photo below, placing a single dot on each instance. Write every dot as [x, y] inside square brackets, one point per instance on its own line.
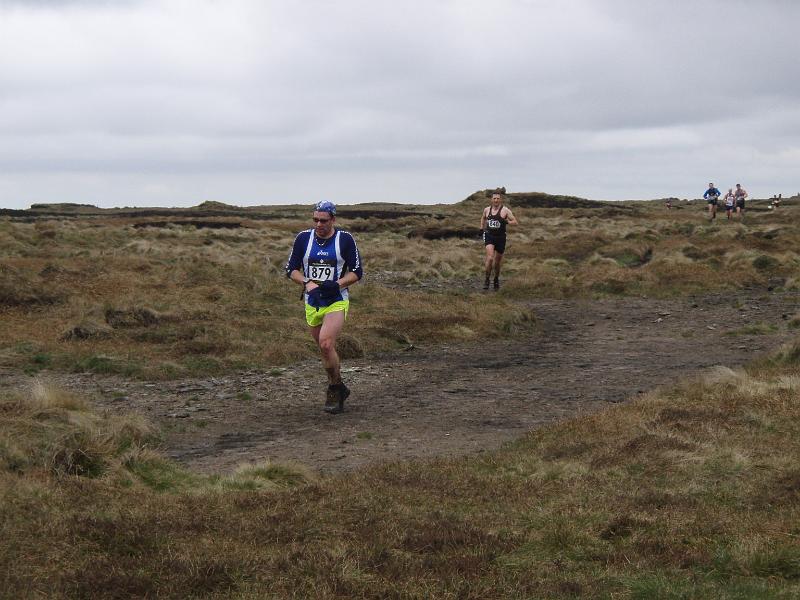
[493, 225]
[740, 194]
[730, 201]
[325, 261]
[712, 195]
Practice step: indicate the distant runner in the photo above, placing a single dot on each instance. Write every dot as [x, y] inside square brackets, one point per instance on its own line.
[493, 225]
[325, 261]
[730, 201]
[740, 194]
[712, 195]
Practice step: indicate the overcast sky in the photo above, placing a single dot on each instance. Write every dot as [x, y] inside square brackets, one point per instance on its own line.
[170, 103]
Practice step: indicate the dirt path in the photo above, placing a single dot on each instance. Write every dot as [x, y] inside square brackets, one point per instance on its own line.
[454, 399]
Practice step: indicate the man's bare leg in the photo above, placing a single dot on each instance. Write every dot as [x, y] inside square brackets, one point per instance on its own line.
[488, 264]
[498, 258]
[325, 336]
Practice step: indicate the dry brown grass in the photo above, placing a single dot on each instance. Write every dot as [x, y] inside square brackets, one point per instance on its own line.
[167, 301]
[48, 430]
[100, 294]
[687, 492]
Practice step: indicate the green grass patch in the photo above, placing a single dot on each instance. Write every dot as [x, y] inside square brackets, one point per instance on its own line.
[766, 263]
[754, 329]
[161, 475]
[107, 365]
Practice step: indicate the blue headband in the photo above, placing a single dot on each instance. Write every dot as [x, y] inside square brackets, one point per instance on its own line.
[326, 206]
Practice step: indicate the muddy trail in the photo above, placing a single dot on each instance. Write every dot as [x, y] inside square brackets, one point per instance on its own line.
[450, 400]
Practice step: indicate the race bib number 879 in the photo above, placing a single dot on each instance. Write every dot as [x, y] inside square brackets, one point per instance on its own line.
[321, 272]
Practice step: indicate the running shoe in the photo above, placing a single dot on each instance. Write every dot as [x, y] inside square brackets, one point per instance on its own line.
[486, 284]
[496, 283]
[335, 397]
[331, 398]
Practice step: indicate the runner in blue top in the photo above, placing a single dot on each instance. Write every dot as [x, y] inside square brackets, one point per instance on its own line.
[325, 261]
[712, 195]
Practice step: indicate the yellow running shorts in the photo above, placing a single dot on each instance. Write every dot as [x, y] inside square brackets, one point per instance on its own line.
[314, 317]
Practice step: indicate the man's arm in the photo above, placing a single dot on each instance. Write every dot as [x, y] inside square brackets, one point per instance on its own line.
[295, 261]
[512, 220]
[294, 266]
[347, 279]
[483, 220]
[352, 259]
[298, 277]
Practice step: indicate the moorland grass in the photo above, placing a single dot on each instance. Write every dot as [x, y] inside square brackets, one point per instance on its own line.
[109, 295]
[691, 491]
[105, 297]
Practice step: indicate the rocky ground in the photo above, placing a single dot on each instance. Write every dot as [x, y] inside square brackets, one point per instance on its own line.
[448, 400]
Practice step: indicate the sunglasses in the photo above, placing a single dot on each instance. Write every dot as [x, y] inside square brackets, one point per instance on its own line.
[321, 220]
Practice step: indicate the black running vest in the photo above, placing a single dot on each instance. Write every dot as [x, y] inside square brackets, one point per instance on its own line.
[495, 224]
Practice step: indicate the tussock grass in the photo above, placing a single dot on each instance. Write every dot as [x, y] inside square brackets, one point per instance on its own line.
[52, 431]
[20, 288]
[753, 329]
[691, 491]
[99, 294]
[176, 301]
[418, 317]
[787, 356]
[48, 431]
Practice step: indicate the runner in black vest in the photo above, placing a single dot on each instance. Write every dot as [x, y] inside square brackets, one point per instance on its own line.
[740, 194]
[493, 225]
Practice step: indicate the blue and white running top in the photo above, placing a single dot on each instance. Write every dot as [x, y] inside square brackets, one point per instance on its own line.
[325, 260]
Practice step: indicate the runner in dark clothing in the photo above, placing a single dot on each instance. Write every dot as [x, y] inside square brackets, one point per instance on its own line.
[712, 195]
[494, 220]
[740, 194]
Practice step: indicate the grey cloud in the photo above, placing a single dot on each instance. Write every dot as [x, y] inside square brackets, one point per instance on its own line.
[563, 94]
[51, 4]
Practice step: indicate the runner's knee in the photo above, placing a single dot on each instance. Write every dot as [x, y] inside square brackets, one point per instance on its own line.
[327, 344]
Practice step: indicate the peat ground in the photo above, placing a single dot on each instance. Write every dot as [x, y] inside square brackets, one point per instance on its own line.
[449, 399]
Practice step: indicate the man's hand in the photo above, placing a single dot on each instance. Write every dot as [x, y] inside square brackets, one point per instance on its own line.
[315, 298]
[329, 290]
